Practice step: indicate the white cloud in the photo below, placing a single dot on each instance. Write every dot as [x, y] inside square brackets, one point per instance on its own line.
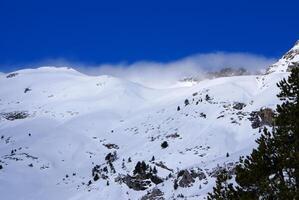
[156, 74]
[164, 74]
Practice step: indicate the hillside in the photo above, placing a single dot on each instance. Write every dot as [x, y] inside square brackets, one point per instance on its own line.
[66, 135]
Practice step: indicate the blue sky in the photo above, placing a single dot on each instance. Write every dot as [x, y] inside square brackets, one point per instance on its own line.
[97, 32]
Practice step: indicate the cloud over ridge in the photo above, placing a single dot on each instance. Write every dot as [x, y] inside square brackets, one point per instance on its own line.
[165, 74]
[157, 74]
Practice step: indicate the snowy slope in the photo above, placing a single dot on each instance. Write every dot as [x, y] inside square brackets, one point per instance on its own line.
[289, 60]
[57, 124]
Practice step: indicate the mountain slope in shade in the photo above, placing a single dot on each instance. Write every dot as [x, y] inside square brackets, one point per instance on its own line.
[65, 135]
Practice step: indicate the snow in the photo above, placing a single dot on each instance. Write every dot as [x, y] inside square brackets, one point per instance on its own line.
[282, 65]
[72, 116]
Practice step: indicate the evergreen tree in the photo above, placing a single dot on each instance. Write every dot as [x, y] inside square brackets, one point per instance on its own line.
[287, 135]
[137, 169]
[164, 144]
[272, 170]
[186, 102]
[153, 159]
[223, 189]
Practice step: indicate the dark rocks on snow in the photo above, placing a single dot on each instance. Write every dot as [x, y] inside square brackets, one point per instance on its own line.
[186, 178]
[15, 115]
[227, 72]
[203, 115]
[208, 98]
[174, 135]
[139, 182]
[229, 167]
[238, 105]
[111, 157]
[97, 172]
[27, 90]
[11, 75]
[135, 183]
[262, 117]
[163, 166]
[96, 177]
[111, 146]
[154, 194]
[143, 177]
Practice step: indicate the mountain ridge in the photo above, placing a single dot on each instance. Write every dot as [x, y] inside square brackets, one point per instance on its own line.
[66, 135]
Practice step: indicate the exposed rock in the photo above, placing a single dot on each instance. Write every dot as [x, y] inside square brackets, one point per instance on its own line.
[98, 172]
[142, 179]
[238, 105]
[262, 117]
[162, 165]
[27, 90]
[154, 194]
[139, 182]
[186, 178]
[198, 173]
[287, 62]
[230, 168]
[11, 75]
[14, 115]
[226, 72]
[135, 183]
[111, 146]
[111, 157]
[203, 115]
[290, 55]
[174, 135]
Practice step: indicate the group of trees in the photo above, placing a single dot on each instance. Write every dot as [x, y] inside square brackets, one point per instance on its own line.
[272, 169]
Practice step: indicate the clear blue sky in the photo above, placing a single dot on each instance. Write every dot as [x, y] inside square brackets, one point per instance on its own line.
[115, 31]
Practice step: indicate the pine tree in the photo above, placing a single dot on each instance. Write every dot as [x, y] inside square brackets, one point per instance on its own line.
[137, 169]
[252, 175]
[153, 159]
[186, 102]
[223, 189]
[164, 144]
[287, 135]
[272, 170]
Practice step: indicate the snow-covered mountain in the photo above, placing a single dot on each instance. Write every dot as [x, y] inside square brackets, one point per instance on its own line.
[66, 135]
[287, 62]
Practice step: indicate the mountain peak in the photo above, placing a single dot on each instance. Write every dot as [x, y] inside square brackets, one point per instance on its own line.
[288, 61]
